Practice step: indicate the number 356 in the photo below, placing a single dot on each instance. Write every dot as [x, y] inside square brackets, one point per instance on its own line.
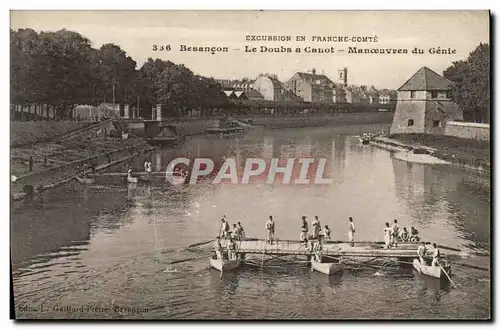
[162, 48]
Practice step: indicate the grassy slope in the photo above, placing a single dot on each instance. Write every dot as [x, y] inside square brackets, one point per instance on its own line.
[78, 147]
[32, 131]
[453, 149]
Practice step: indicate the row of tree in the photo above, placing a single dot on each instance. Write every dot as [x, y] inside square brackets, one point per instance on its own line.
[471, 79]
[61, 69]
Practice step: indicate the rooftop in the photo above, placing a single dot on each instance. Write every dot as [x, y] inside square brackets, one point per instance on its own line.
[426, 79]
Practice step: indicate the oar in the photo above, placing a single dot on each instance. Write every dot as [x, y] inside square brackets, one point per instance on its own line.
[200, 243]
[452, 283]
[473, 266]
[183, 260]
[458, 250]
[222, 264]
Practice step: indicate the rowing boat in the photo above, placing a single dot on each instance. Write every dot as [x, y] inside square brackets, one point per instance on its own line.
[131, 179]
[85, 180]
[433, 271]
[326, 268]
[226, 265]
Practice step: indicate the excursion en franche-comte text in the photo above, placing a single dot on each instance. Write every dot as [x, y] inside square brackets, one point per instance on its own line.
[280, 44]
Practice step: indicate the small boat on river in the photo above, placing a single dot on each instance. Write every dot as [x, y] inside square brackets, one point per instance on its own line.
[224, 265]
[324, 267]
[433, 271]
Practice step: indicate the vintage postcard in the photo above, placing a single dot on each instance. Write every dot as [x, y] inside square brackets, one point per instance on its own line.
[250, 165]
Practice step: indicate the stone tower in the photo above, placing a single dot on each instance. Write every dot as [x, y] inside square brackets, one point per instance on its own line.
[424, 104]
[343, 77]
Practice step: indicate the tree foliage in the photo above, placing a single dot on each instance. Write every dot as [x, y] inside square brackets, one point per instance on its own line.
[62, 69]
[471, 79]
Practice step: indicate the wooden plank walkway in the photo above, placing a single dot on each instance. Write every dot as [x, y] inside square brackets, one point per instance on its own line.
[291, 247]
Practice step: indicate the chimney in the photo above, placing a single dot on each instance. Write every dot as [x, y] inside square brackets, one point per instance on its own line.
[314, 71]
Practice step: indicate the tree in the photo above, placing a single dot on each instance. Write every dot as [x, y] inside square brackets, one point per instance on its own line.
[471, 90]
[61, 69]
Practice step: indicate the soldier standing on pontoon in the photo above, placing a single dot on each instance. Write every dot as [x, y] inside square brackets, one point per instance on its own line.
[316, 227]
[270, 229]
[304, 229]
[350, 231]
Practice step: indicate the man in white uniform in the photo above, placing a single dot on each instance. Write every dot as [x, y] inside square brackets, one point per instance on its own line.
[270, 229]
[387, 235]
[421, 253]
[350, 231]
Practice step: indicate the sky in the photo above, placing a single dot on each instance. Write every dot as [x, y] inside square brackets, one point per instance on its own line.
[137, 31]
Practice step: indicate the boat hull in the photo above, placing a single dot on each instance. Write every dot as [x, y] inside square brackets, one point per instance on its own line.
[432, 271]
[227, 266]
[326, 268]
[85, 180]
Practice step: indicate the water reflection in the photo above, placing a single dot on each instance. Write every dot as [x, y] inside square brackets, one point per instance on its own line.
[61, 226]
[435, 197]
[367, 184]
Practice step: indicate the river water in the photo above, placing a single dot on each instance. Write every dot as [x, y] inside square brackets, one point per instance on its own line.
[102, 252]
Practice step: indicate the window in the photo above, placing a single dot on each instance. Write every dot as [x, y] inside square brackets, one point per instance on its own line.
[436, 123]
[410, 122]
[413, 94]
[434, 94]
[448, 94]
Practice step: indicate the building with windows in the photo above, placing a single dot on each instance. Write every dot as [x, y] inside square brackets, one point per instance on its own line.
[312, 87]
[424, 104]
[387, 96]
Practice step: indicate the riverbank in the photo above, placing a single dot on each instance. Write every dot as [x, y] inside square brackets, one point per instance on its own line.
[303, 121]
[54, 162]
[52, 154]
[25, 132]
[465, 153]
[198, 125]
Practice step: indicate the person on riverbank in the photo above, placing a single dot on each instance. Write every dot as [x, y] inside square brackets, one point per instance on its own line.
[316, 227]
[387, 235]
[350, 231]
[395, 234]
[224, 230]
[304, 229]
[270, 229]
[148, 169]
[436, 255]
[421, 253]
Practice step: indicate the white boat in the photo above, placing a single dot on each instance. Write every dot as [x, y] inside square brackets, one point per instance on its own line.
[433, 271]
[326, 268]
[131, 179]
[85, 180]
[226, 265]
